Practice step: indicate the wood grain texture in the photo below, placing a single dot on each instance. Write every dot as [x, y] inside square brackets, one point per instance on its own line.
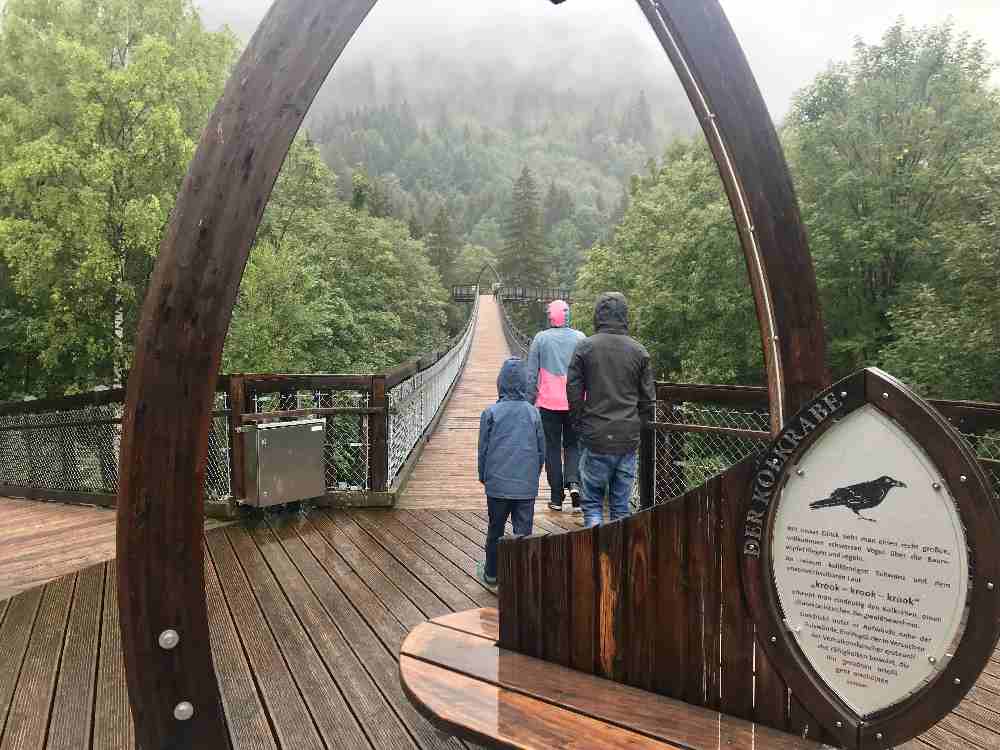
[463, 656]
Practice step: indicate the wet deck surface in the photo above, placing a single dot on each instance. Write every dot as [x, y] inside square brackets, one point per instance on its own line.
[307, 617]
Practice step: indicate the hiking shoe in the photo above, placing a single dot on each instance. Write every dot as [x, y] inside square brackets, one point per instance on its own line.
[490, 583]
[574, 495]
[555, 506]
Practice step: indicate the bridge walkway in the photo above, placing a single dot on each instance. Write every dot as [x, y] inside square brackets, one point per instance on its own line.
[446, 475]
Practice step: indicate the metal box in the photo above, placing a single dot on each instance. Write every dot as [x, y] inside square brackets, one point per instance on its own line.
[285, 461]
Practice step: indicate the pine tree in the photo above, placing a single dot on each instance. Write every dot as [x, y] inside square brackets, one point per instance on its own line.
[558, 207]
[524, 256]
[442, 245]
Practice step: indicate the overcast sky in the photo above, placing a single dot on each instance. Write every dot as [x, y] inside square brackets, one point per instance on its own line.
[787, 41]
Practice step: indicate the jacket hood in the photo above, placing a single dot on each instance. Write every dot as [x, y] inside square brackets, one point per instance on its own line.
[611, 313]
[512, 383]
[558, 313]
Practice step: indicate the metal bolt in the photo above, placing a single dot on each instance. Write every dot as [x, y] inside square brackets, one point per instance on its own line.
[800, 472]
[878, 735]
[843, 394]
[885, 395]
[169, 639]
[932, 659]
[936, 486]
[840, 724]
[989, 585]
[963, 478]
[774, 639]
[958, 681]
[183, 711]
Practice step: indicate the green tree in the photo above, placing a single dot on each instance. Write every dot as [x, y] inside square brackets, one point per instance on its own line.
[524, 252]
[102, 104]
[676, 256]
[880, 146]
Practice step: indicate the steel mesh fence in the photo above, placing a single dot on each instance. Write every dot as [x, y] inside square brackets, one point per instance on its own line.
[346, 447]
[415, 402]
[77, 450]
[684, 460]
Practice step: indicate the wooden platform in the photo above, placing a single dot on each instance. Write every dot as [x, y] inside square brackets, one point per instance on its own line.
[446, 475]
[41, 541]
[307, 618]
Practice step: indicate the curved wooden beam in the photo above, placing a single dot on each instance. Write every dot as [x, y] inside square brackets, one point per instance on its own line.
[179, 347]
[710, 62]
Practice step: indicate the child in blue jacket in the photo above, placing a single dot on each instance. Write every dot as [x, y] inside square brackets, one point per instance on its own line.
[511, 456]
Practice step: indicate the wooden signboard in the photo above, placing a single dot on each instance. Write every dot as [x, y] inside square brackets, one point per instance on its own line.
[870, 562]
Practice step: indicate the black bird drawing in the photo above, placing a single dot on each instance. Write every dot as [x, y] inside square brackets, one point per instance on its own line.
[859, 497]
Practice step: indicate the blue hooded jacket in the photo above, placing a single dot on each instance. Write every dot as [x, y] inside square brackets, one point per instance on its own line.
[511, 439]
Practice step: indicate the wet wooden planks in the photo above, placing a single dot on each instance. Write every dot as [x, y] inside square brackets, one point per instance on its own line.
[41, 541]
[307, 616]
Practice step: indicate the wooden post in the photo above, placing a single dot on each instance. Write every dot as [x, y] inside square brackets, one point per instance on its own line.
[378, 435]
[237, 455]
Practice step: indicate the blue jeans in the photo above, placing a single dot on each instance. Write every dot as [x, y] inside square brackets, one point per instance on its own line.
[606, 471]
[521, 513]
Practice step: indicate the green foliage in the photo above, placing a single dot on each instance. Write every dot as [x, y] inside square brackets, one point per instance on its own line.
[102, 103]
[676, 258]
[524, 255]
[314, 296]
[881, 151]
[896, 157]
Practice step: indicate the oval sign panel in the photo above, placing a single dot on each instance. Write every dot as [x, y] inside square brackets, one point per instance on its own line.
[867, 517]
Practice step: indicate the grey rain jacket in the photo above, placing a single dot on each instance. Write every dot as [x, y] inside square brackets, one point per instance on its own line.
[511, 439]
[610, 384]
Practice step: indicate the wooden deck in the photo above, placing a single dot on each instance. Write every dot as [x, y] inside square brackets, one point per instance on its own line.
[41, 541]
[307, 619]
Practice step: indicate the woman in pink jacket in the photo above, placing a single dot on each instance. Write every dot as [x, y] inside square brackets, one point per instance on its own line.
[548, 361]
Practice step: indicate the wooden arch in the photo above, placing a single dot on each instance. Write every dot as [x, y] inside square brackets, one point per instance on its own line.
[194, 286]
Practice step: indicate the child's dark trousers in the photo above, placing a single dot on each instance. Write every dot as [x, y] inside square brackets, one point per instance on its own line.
[521, 514]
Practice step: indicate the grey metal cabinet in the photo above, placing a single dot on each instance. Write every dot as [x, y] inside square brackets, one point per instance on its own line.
[285, 461]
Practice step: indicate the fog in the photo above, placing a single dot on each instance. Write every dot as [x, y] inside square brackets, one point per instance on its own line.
[607, 43]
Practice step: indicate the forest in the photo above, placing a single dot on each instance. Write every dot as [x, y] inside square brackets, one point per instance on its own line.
[404, 183]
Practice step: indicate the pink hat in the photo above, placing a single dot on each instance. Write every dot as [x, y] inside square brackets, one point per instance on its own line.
[558, 313]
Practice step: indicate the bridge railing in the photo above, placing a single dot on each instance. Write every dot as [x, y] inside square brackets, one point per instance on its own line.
[416, 394]
[701, 430]
[67, 449]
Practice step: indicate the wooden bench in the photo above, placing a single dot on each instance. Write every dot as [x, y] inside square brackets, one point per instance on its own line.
[456, 675]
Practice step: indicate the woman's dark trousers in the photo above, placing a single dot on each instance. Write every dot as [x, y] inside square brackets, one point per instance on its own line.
[560, 439]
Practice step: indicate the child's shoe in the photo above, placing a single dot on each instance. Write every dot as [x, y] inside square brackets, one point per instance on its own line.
[490, 583]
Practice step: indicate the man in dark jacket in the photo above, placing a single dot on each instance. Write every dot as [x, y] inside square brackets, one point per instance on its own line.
[611, 396]
[511, 455]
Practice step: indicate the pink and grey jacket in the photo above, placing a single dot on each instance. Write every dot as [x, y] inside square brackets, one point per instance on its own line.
[548, 360]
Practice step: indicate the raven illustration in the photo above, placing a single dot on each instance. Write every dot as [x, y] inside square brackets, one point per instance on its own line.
[859, 497]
